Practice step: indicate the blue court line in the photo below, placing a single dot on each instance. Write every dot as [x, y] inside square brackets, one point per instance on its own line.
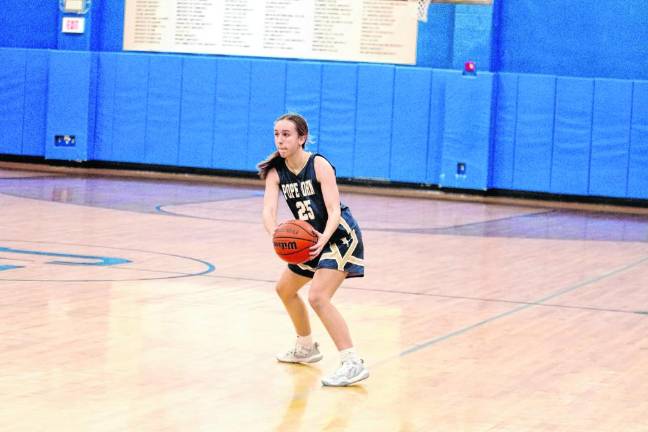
[159, 207]
[449, 228]
[491, 300]
[210, 267]
[433, 341]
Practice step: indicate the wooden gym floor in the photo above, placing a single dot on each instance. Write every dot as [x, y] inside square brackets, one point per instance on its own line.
[135, 304]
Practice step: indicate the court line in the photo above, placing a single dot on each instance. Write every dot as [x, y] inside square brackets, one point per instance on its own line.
[435, 340]
[47, 176]
[490, 300]
[435, 230]
[443, 230]
[159, 210]
[210, 267]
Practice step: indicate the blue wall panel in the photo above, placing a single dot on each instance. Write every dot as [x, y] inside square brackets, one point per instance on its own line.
[197, 111]
[129, 118]
[109, 20]
[467, 132]
[436, 124]
[374, 121]
[70, 106]
[574, 38]
[35, 111]
[638, 164]
[267, 100]
[163, 110]
[504, 138]
[338, 116]
[106, 79]
[232, 110]
[304, 95]
[29, 24]
[434, 41]
[572, 136]
[408, 162]
[610, 137]
[534, 132]
[12, 98]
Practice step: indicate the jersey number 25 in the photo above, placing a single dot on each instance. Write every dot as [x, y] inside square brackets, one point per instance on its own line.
[304, 210]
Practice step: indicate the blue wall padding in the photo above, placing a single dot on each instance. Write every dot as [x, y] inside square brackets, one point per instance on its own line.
[468, 106]
[163, 110]
[637, 171]
[373, 121]
[338, 115]
[12, 98]
[572, 136]
[69, 104]
[435, 124]
[505, 121]
[197, 111]
[267, 102]
[473, 26]
[534, 132]
[232, 110]
[92, 104]
[129, 112]
[35, 111]
[411, 109]
[304, 94]
[610, 137]
[106, 79]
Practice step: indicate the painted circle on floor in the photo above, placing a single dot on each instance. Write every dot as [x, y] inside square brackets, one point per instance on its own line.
[32, 261]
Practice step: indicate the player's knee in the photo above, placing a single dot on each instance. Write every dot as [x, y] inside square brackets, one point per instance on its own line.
[281, 290]
[284, 291]
[317, 299]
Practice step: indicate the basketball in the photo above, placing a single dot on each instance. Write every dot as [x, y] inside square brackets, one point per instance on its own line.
[292, 240]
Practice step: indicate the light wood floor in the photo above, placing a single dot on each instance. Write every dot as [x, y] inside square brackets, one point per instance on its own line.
[149, 305]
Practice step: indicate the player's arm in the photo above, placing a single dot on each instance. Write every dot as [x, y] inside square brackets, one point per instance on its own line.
[270, 199]
[326, 177]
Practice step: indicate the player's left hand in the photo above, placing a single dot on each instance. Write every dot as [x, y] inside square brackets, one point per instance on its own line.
[316, 249]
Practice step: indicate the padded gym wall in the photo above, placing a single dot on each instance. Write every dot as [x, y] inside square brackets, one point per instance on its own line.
[466, 151]
[71, 99]
[23, 101]
[559, 132]
[575, 136]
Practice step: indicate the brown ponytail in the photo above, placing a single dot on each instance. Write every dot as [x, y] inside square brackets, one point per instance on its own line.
[267, 164]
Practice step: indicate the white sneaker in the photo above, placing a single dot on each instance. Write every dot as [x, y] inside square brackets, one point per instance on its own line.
[349, 372]
[299, 354]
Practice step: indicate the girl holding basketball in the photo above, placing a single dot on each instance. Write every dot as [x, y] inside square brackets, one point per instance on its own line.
[308, 184]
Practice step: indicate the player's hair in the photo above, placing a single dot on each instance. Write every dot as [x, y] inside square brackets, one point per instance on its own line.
[301, 125]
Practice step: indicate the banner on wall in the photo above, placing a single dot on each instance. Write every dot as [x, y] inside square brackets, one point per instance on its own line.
[382, 31]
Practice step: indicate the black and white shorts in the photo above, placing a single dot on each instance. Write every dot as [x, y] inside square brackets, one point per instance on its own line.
[345, 254]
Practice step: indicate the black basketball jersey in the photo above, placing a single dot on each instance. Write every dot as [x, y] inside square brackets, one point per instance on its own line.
[303, 195]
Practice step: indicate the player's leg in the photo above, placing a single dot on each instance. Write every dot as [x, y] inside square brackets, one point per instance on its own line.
[305, 350]
[325, 284]
[352, 369]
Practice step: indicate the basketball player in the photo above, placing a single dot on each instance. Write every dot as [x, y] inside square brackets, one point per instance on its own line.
[307, 182]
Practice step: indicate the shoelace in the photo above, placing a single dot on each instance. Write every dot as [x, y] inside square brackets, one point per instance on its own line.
[298, 351]
[345, 369]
